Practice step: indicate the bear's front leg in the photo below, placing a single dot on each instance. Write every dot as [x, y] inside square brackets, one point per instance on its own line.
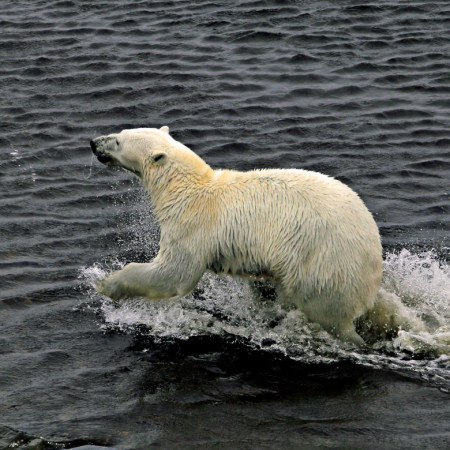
[157, 280]
[117, 284]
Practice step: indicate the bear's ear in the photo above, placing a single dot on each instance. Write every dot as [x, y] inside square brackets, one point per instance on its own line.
[159, 157]
[165, 129]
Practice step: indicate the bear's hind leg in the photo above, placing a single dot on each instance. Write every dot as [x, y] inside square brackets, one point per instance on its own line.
[338, 325]
[346, 332]
[342, 328]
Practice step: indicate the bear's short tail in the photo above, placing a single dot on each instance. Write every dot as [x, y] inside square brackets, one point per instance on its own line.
[387, 317]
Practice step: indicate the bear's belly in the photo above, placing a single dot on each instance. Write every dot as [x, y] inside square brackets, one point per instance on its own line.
[251, 270]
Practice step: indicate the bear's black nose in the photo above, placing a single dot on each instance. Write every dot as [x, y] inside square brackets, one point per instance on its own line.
[93, 146]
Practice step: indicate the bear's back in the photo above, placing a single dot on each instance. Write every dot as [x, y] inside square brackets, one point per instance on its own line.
[295, 189]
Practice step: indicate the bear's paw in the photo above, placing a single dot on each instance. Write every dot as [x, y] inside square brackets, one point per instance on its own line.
[111, 287]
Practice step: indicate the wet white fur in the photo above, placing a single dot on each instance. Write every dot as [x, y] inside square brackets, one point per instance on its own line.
[307, 232]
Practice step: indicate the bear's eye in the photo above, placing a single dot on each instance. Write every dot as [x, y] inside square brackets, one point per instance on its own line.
[117, 141]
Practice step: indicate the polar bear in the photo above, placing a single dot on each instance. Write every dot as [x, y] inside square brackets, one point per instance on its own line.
[309, 234]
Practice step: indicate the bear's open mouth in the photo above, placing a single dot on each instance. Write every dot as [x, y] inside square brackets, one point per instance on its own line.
[104, 159]
[109, 161]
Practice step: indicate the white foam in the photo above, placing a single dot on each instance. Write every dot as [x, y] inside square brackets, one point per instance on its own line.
[422, 281]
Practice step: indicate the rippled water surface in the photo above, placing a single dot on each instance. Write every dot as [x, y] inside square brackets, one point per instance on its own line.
[357, 90]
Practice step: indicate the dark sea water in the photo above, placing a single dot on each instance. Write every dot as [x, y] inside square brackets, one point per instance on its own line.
[357, 90]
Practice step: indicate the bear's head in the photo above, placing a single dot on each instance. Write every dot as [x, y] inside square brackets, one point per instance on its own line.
[142, 150]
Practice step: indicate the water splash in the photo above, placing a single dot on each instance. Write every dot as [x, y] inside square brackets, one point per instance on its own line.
[226, 306]
[90, 168]
[422, 282]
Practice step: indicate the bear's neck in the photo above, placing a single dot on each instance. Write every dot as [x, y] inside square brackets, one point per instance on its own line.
[177, 190]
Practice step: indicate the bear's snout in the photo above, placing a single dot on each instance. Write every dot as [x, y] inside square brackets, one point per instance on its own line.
[103, 157]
